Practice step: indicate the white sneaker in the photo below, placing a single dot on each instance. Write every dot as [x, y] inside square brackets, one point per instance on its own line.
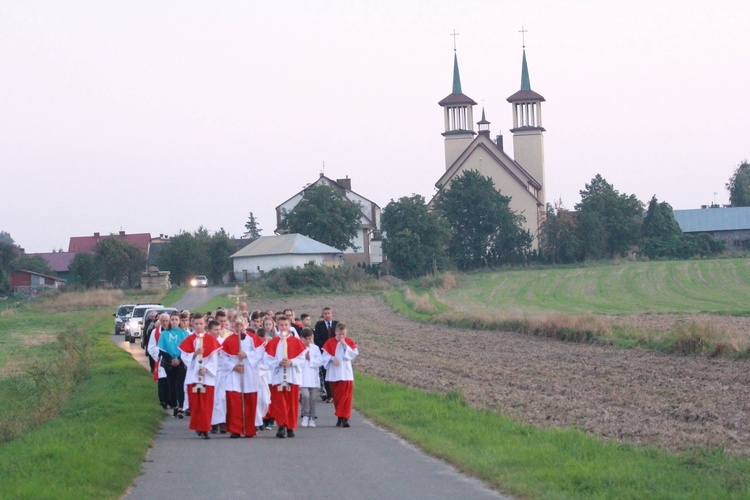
[305, 421]
[311, 422]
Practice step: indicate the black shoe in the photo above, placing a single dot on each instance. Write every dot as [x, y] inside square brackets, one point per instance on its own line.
[281, 433]
[180, 414]
[234, 436]
[187, 413]
[344, 422]
[338, 422]
[164, 405]
[175, 412]
[290, 433]
[222, 429]
[214, 429]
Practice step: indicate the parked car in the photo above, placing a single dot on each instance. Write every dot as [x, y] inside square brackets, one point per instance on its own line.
[134, 324]
[121, 316]
[158, 310]
[199, 280]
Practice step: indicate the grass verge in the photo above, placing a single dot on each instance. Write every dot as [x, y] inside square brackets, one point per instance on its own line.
[96, 445]
[545, 463]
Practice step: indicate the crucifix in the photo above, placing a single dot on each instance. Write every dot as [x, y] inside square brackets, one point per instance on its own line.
[236, 296]
[454, 35]
[523, 36]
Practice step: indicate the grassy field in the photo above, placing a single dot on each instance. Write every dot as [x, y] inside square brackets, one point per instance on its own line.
[545, 463]
[694, 286]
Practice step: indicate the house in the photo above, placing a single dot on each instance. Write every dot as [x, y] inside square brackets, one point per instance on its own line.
[522, 176]
[279, 251]
[88, 243]
[367, 248]
[58, 262]
[729, 224]
[24, 280]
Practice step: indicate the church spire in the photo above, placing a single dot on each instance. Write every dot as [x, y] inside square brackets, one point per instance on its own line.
[525, 83]
[456, 75]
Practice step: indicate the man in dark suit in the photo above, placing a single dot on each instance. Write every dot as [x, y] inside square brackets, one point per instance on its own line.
[325, 329]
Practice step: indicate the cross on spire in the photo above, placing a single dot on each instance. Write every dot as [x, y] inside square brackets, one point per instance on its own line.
[454, 35]
[523, 36]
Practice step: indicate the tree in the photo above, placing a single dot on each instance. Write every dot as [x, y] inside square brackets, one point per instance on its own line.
[608, 222]
[119, 262]
[83, 270]
[324, 214]
[739, 186]
[484, 229]
[220, 247]
[415, 237]
[252, 227]
[559, 238]
[6, 238]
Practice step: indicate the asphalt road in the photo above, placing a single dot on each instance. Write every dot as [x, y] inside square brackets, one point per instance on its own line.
[363, 461]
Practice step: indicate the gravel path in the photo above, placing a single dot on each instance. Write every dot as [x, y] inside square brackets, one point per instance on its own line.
[637, 396]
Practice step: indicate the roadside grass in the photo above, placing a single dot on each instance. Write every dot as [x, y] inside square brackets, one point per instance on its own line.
[545, 463]
[96, 446]
[173, 295]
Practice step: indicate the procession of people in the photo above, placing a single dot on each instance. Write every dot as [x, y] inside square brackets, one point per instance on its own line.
[236, 372]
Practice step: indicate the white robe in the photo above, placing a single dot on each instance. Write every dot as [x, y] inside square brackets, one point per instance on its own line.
[153, 350]
[311, 371]
[344, 371]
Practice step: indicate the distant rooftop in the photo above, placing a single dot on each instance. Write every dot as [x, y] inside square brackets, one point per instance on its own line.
[297, 244]
[702, 220]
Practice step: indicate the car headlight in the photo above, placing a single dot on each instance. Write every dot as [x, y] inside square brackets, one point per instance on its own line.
[193, 282]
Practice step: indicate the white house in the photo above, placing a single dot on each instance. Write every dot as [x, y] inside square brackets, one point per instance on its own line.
[367, 250]
[285, 250]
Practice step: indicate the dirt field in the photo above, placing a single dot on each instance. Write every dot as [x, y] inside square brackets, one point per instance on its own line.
[633, 396]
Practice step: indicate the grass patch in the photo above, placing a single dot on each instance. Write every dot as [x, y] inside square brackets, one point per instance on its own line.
[173, 295]
[545, 463]
[95, 447]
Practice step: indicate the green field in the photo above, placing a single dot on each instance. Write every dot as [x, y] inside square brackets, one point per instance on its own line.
[694, 286]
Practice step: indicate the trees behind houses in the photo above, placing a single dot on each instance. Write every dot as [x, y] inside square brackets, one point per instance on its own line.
[252, 227]
[416, 238]
[199, 252]
[739, 186]
[113, 261]
[326, 215]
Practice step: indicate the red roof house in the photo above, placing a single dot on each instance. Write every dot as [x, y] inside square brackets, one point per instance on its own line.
[87, 243]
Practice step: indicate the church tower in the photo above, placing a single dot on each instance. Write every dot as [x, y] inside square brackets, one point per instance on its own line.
[459, 119]
[528, 140]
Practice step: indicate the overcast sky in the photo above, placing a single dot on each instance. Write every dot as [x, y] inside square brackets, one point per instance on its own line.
[161, 116]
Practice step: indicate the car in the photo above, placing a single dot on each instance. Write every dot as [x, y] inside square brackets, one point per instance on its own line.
[134, 323]
[158, 310]
[199, 280]
[121, 316]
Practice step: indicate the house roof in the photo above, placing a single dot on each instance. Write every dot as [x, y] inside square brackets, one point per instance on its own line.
[57, 261]
[46, 276]
[285, 244]
[701, 220]
[87, 243]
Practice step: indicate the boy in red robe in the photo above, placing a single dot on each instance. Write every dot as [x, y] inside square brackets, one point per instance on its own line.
[243, 353]
[200, 352]
[338, 354]
[285, 357]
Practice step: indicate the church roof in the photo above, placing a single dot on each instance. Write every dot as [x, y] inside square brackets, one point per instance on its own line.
[285, 244]
[512, 167]
[457, 96]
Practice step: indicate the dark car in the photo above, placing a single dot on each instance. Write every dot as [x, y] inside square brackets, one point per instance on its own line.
[121, 316]
[134, 323]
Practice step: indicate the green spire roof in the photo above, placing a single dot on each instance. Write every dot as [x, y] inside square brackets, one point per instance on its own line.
[456, 76]
[525, 83]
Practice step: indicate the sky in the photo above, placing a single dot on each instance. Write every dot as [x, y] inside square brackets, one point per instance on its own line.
[163, 116]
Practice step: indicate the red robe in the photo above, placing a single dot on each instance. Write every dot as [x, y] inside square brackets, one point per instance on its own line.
[285, 404]
[343, 390]
[201, 404]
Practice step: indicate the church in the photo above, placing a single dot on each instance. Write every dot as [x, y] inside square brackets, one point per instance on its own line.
[521, 178]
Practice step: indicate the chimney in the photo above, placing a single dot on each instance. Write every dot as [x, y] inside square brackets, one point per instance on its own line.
[499, 141]
[345, 183]
[96, 235]
[122, 233]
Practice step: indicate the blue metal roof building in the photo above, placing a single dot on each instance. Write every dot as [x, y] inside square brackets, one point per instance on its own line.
[731, 224]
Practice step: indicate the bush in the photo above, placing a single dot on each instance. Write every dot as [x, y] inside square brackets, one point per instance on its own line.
[314, 279]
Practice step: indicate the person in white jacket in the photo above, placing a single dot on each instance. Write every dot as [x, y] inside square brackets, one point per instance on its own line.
[338, 354]
[310, 385]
